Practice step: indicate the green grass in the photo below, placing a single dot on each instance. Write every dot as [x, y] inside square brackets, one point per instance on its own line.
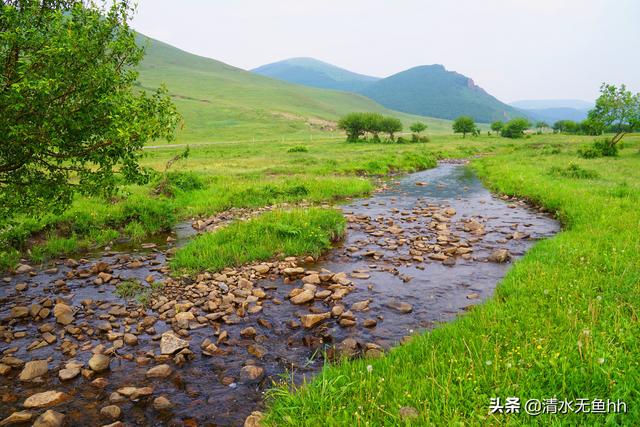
[273, 234]
[214, 178]
[563, 323]
[223, 103]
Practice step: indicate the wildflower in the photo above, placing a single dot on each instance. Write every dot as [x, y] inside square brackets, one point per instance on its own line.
[369, 368]
[489, 362]
[601, 360]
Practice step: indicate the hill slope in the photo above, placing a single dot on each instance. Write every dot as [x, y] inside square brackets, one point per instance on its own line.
[221, 102]
[433, 91]
[315, 73]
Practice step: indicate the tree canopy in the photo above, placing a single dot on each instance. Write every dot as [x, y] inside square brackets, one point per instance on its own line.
[497, 126]
[464, 125]
[515, 128]
[418, 127]
[356, 125]
[71, 117]
[616, 108]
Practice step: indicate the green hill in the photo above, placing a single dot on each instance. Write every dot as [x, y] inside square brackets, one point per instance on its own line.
[220, 102]
[315, 73]
[431, 90]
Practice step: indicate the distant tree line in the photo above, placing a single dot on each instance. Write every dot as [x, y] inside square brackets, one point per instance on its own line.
[514, 128]
[368, 127]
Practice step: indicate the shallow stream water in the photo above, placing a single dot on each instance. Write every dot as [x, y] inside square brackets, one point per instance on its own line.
[379, 248]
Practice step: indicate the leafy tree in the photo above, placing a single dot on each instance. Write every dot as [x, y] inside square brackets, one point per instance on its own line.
[464, 125]
[373, 123]
[616, 108]
[391, 125]
[591, 127]
[566, 126]
[71, 119]
[497, 126]
[541, 125]
[515, 128]
[418, 127]
[355, 124]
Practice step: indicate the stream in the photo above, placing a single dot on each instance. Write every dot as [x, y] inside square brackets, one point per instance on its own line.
[422, 250]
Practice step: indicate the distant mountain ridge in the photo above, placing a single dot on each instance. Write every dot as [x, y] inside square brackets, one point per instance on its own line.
[315, 73]
[552, 110]
[424, 90]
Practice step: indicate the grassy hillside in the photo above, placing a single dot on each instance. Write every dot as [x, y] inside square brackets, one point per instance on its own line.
[220, 102]
[433, 91]
[314, 73]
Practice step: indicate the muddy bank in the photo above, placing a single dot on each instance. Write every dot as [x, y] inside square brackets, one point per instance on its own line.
[203, 349]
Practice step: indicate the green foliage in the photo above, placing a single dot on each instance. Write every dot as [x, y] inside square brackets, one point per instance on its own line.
[69, 114]
[356, 125]
[600, 148]
[497, 126]
[129, 289]
[573, 171]
[391, 125]
[174, 182]
[566, 126]
[134, 289]
[464, 125]
[418, 127]
[298, 149]
[515, 128]
[283, 233]
[617, 108]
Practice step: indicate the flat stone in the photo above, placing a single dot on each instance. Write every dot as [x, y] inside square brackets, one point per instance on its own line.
[19, 312]
[63, 313]
[303, 297]
[160, 371]
[17, 418]
[169, 343]
[500, 256]
[69, 373]
[254, 420]
[401, 307]
[134, 393]
[34, 369]
[112, 412]
[311, 320]
[44, 399]
[99, 362]
[251, 373]
[49, 419]
[23, 268]
[161, 403]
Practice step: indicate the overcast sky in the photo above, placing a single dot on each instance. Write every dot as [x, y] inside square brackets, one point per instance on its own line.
[514, 49]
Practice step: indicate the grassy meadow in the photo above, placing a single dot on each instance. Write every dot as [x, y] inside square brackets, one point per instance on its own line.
[577, 338]
[224, 103]
[563, 323]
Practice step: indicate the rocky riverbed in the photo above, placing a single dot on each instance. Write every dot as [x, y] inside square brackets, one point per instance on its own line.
[201, 351]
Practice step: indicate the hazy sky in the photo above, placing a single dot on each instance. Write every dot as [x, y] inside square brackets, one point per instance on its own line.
[514, 49]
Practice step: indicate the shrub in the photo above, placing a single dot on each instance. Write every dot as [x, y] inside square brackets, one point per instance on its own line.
[515, 128]
[600, 148]
[573, 171]
[298, 149]
[172, 183]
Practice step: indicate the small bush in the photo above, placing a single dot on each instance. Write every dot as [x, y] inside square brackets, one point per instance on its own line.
[600, 148]
[298, 149]
[573, 171]
[174, 182]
